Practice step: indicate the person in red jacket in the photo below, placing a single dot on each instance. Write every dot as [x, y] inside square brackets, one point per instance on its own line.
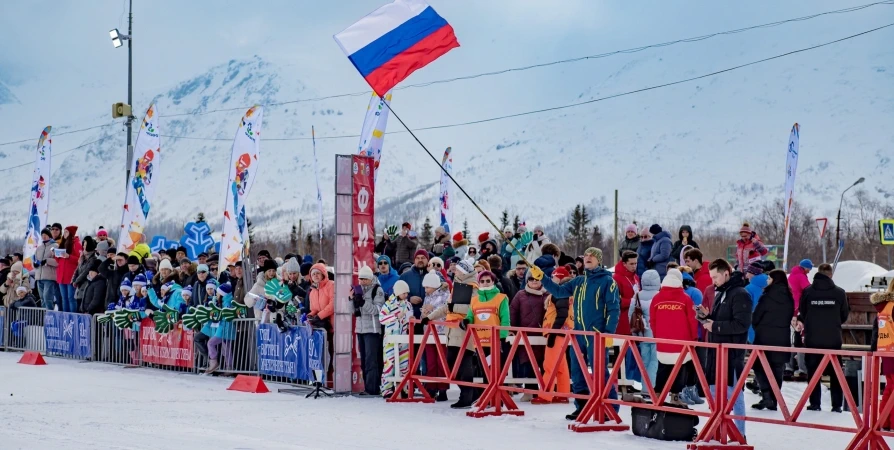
[628, 285]
[672, 316]
[67, 263]
[692, 258]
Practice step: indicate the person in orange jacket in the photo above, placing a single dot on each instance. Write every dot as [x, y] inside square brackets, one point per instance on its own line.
[321, 296]
[557, 317]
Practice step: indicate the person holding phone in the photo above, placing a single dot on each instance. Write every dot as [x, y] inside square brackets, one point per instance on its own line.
[67, 264]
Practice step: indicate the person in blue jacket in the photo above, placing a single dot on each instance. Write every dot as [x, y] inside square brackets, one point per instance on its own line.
[387, 275]
[757, 281]
[643, 252]
[661, 250]
[596, 305]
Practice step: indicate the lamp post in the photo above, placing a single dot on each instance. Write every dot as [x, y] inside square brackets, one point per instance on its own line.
[838, 220]
[116, 42]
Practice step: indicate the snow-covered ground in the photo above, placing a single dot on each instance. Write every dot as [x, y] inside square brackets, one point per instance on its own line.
[71, 405]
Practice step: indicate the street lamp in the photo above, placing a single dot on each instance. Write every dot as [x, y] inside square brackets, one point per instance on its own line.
[116, 42]
[838, 220]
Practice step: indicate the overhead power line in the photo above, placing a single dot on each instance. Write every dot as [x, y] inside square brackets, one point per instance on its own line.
[553, 63]
[59, 153]
[509, 70]
[573, 105]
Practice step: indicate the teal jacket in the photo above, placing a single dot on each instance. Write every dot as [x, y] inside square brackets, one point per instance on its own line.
[594, 297]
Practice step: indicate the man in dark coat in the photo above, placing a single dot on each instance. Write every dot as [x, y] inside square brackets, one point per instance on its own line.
[728, 322]
[114, 270]
[94, 301]
[822, 310]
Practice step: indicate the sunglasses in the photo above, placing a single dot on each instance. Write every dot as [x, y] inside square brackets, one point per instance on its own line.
[486, 281]
[436, 264]
[383, 264]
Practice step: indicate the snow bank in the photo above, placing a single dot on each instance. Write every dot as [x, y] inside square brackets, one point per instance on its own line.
[853, 276]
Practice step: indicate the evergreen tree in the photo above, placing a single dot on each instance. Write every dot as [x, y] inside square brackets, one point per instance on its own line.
[465, 228]
[293, 238]
[200, 217]
[598, 241]
[516, 223]
[504, 220]
[578, 225]
[309, 244]
[427, 236]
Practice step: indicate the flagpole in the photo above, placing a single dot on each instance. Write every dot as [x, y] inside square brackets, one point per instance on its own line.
[445, 171]
[319, 193]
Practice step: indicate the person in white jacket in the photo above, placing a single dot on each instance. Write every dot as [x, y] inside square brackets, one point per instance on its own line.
[651, 284]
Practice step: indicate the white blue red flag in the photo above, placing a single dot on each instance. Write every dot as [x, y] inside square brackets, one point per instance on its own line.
[394, 41]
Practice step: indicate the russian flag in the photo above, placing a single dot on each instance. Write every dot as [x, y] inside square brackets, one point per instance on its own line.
[394, 41]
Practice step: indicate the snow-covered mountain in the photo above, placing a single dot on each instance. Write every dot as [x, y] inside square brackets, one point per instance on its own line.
[706, 152]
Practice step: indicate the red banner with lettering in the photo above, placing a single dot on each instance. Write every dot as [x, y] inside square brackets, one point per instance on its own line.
[363, 237]
[364, 234]
[171, 349]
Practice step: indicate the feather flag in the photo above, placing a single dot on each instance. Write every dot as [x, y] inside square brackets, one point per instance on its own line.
[791, 169]
[243, 170]
[39, 206]
[445, 198]
[140, 187]
[372, 136]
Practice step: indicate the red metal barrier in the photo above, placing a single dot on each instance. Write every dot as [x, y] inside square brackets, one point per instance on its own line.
[598, 413]
[877, 412]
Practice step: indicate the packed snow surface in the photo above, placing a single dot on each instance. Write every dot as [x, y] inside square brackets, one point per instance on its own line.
[71, 405]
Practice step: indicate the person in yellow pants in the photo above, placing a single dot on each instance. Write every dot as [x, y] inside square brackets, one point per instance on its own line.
[557, 317]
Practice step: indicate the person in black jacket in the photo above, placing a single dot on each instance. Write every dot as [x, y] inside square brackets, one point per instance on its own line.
[684, 238]
[727, 322]
[772, 326]
[822, 310]
[114, 270]
[94, 301]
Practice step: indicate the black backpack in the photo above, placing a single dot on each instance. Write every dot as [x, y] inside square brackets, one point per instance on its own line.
[664, 426]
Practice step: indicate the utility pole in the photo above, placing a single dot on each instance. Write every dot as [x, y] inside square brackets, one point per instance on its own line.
[615, 248]
[129, 92]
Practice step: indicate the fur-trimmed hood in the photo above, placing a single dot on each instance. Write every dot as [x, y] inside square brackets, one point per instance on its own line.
[881, 297]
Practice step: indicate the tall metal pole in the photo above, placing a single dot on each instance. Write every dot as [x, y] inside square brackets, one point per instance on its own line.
[129, 92]
[615, 248]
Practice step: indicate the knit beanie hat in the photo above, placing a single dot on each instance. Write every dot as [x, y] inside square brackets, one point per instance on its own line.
[125, 286]
[594, 252]
[431, 280]
[401, 287]
[305, 269]
[225, 289]
[806, 263]
[365, 273]
[487, 273]
[212, 283]
[673, 279]
[133, 259]
[457, 237]
[630, 228]
[420, 252]
[746, 228]
[21, 289]
[754, 268]
[655, 228]
[437, 260]
[187, 291]
[464, 267]
[165, 264]
[139, 280]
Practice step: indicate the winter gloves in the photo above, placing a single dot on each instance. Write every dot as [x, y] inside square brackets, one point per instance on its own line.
[551, 340]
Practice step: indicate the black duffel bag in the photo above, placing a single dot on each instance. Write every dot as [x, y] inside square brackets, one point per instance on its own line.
[664, 426]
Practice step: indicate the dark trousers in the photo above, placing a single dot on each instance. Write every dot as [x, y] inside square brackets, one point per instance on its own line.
[777, 365]
[466, 372]
[813, 362]
[433, 368]
[370, 344]
[200, 341]
[687, 371]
